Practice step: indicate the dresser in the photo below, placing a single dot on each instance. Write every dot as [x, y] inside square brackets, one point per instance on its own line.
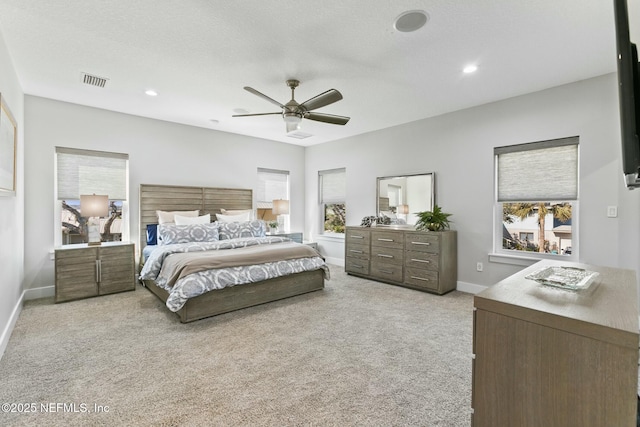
[550, 357]
[424, 260]
[83, 271]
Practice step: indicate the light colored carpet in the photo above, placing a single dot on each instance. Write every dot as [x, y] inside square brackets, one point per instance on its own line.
[358, 353]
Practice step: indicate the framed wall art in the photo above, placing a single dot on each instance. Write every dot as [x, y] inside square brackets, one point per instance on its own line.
[8, 143]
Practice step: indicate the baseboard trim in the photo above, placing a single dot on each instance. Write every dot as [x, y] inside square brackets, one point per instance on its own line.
[6, 334]
[36, 293]
[470, 288]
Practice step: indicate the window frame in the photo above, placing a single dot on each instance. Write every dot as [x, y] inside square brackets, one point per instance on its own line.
[526, 258]
[57, 219]
[331, 201]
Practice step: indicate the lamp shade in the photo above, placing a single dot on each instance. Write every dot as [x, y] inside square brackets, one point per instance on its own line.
[403, 209]
[92, 206]
[280, 207]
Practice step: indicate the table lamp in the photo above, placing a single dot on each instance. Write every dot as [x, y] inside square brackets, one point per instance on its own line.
[280, 208]
[93, 208]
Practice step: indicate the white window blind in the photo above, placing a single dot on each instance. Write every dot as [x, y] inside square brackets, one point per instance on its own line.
[333, 186]
[272, 185]
[91, 172]
[538, 171]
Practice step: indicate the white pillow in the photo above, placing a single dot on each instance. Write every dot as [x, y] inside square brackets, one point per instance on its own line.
[243, 217]
[166, 217]
[238, 212]
[188, 220]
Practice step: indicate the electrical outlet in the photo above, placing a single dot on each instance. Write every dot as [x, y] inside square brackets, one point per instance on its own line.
[612, 211]
[479, 266]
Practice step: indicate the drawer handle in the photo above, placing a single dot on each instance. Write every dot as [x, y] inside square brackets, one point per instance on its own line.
[421, 278]
[386, 271]
[357, 237]
[355, 251]
[385, 240]
[421, 243]
[420, 260]
[385, 256]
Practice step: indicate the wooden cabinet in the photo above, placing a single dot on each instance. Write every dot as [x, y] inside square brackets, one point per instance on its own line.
[550, 357]
[403, 256]
[295, 236]
[86, 271]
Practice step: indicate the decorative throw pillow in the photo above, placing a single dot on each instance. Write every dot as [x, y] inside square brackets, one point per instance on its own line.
[234, 230]
[243, 217]
[169, 234]
[166, 217]
[188, 220]
[251, 212]
[152, 234]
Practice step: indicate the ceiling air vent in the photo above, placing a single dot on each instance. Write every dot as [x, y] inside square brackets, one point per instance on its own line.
[298, 135]
[92, 80]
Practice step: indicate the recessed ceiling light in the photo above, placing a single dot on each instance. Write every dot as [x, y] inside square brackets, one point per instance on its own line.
[214, 121]
[240, 111]
[151, 92]
[411, 20]
[470, 69]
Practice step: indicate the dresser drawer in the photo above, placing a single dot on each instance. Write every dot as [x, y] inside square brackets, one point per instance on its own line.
[387, 256]
[356, 265]
[357, 236]
[422, 242]
[420, 277]
[385, 271]
[426, 260]
[358, 251]
[387, 239]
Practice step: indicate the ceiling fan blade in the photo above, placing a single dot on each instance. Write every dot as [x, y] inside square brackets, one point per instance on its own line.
[263, 96]
[327, 118]
[325, 98]
[256, 114]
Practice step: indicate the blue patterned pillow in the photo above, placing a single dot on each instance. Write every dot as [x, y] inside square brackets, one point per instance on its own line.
[234, 230]
[169, 234]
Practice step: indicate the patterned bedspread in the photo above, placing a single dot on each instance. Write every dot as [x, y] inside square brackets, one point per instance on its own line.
[201, 282]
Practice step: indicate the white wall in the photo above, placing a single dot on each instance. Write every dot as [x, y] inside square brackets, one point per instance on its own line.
[159, 153]
[458, 147]
[11, 209]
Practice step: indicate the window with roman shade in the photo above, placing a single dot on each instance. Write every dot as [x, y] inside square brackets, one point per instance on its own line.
[536, 190]
[88, 172]
[333, 193]
[272, 185]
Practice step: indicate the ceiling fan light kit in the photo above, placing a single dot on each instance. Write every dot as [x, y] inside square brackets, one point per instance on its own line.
[292, 112]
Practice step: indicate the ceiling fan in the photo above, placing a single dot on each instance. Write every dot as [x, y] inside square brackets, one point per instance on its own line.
[293, 113]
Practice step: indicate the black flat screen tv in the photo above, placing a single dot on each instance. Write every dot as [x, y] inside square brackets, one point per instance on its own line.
[629, 96]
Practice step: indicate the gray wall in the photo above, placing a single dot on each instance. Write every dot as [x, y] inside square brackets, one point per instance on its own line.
[458, 147]
[159, 153]
[11, 209]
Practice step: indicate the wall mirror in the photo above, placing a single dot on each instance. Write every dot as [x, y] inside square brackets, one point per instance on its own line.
[401, 196]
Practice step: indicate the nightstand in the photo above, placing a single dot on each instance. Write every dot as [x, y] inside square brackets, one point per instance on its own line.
[295, 236]
[84, 271]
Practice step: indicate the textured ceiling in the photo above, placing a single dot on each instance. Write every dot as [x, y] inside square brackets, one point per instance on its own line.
[199, 55]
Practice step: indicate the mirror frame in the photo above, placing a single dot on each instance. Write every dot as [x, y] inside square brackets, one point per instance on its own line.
[381, 178]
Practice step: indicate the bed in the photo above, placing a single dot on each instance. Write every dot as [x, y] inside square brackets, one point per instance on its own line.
[296, 275]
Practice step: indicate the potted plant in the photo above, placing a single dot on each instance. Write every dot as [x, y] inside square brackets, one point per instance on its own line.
[434, 220]
[273, 226]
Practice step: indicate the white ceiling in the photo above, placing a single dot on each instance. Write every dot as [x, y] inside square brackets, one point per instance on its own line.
[199, 55]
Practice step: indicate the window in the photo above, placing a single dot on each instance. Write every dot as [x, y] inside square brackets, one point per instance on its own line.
[333, 192]
[536, 198]
[272, 185]
[87, 172]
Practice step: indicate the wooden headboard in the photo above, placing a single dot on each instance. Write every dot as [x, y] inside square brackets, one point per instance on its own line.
[208, 200]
